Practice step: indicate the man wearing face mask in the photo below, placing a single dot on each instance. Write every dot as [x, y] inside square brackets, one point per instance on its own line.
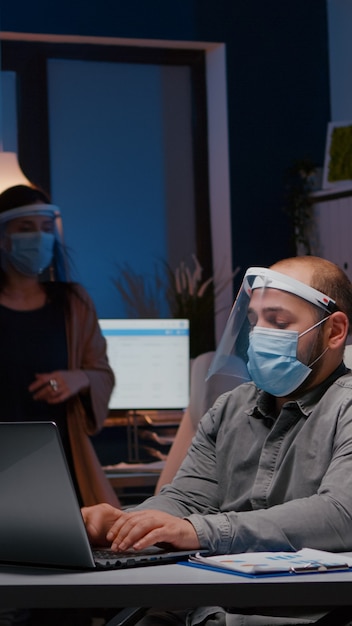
[53, 363]
[270, 465]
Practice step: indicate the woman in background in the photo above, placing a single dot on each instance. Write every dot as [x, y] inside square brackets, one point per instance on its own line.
[53, 363]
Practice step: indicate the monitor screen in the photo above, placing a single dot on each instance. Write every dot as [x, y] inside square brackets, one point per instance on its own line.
[150, 359]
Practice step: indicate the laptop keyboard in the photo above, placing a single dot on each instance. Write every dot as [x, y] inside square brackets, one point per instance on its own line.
[108, 559]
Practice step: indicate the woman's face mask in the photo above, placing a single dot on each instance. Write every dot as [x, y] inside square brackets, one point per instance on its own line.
[31, 252]
[272, 360]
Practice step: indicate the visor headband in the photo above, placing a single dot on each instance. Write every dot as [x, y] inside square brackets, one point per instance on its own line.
[262, 277]
[30, 209]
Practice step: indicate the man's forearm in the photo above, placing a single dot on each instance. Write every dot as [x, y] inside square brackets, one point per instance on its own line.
[315, 522]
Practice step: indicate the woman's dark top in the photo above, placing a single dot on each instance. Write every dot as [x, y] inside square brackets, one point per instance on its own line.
[32, 342]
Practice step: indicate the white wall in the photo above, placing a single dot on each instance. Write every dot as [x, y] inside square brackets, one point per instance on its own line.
[219, 182]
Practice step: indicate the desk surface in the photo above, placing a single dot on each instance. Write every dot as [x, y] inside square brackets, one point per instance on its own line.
[169, 586]
[121, 480]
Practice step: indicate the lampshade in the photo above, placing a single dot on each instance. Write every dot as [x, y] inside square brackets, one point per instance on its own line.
[10, 171]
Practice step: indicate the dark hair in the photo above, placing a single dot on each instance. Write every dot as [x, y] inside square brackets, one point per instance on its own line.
[335, 283]
[328, 278]
[22, 195]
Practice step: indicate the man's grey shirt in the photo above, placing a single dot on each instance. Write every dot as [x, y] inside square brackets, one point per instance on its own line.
[254, 482]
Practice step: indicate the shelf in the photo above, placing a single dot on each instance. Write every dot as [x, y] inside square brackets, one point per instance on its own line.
[324, 195]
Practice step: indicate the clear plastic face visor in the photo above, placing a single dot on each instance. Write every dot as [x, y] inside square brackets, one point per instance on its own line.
[231, 355]
[60, 261]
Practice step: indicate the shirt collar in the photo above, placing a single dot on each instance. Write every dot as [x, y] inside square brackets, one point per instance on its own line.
[306, 404]
[312, 397]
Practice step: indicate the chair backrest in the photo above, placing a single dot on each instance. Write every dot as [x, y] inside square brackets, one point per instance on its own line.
[203, 394]
[348, 356]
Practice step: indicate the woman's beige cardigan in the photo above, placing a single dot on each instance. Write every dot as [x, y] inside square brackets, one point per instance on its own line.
[86, 412]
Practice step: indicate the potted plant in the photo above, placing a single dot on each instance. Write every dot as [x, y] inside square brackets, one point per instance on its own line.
[179, 293]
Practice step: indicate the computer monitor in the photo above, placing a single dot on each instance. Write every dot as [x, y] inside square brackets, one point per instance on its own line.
[150, 359]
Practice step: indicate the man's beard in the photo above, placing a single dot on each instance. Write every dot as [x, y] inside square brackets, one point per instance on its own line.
[313, 356]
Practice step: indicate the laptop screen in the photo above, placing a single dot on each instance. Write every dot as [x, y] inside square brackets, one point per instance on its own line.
[41, 522]
[150, 359]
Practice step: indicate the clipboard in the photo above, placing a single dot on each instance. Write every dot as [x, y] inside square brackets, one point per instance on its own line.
[258, 564]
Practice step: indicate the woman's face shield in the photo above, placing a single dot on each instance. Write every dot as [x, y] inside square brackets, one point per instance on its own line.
[59, 268]
[231, 355]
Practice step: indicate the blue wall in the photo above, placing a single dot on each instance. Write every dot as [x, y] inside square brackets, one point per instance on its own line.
[340, 53]
[278, 88]
[109, 152]
[278, 94]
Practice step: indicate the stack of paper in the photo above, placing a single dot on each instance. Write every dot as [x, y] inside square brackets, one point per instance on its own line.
[306, 561]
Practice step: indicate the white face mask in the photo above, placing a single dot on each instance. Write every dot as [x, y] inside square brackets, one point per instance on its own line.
[272, 360]
[31, 253]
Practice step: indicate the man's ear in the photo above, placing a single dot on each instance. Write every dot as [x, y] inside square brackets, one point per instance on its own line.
[337, 329]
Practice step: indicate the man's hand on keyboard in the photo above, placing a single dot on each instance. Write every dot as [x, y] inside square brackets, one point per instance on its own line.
[140, 529]
[137, 529]
[98, 520]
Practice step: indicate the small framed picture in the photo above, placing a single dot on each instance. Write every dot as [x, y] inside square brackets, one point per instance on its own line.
[337, 172]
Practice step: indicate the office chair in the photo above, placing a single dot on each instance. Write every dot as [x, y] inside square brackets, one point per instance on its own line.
[341, 616]
[348, 356]
[127, 617]
[203, 394]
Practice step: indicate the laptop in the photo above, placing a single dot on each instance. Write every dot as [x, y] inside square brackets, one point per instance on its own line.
[40, 521]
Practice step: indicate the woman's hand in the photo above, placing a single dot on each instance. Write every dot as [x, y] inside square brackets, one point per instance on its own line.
[58, 386]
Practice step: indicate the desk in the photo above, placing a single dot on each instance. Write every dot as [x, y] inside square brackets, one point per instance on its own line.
[133, 485]
[168, 586]
[121, 480]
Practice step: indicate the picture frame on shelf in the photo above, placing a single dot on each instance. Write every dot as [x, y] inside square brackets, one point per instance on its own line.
[337, 171]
